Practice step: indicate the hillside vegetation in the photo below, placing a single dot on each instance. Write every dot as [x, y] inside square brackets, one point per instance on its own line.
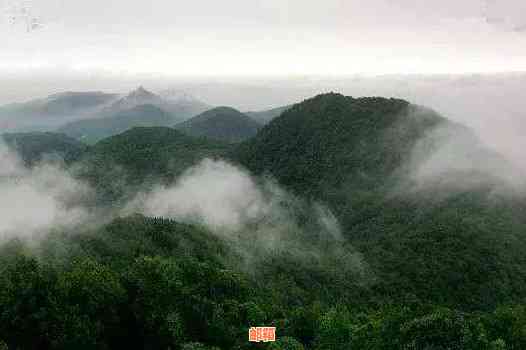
[37, 146]
[431, 243]
[424, 251]
[121, 164]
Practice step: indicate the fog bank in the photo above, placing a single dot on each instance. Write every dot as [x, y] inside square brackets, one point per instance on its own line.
[34, 201]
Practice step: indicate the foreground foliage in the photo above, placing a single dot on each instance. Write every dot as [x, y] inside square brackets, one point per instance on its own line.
[144, 283]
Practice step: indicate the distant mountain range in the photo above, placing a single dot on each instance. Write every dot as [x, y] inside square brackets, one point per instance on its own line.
[181, 108]
[57, 110]
[221, 123]
[92, 116]
[50, 112]
[95, 129]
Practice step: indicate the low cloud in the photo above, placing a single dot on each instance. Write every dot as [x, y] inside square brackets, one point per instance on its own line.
[36, 200]
[226, 199]
[454, 157]
[216, 194]
[255, 215]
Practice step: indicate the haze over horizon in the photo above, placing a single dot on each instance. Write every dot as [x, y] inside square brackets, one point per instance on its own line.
[463, 59]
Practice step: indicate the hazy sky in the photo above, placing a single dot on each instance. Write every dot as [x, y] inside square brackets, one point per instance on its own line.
[262, 37]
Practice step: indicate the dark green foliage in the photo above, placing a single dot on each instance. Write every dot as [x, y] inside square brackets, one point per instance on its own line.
[286, 343]
[221, 123]
[442, 268]
[332, 140]
[36, 146]
[458, 247]
[137, 283]
[150, 283]
[120, 164]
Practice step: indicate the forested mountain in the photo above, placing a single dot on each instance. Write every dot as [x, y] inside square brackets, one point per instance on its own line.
[427, 239]
[95, 129]
[156, 153]
[52, 111]
[221, 123]
[37, 146]
[424, 251]
[265, 117]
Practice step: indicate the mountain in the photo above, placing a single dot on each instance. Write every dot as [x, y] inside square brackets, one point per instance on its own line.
[137, 97]
[221, 123]
[333, 138]
[141, 154]
[432, 214]
[430, 255]
[187, 104]
[36, 146]
[265, 117]
[182, 107]
[48, 113]
[95, 129]
[56, 110]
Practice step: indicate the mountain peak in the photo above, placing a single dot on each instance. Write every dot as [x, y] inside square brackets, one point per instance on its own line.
[221, 123]
[140, 92]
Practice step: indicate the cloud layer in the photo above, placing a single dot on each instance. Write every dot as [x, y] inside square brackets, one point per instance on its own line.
[235, 37]
[33, 201]
[215, 193]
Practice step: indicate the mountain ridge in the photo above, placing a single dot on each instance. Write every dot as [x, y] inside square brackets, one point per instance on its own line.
[95, 129]
[220, 123]
[355, 154]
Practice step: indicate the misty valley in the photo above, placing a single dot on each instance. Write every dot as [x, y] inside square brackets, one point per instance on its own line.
[152, 221]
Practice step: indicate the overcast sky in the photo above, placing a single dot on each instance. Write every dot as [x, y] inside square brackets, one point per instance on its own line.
[263, 37]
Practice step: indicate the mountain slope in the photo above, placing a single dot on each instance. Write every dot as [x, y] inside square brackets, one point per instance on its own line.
[421, 198]
[322, 139]
[95, 129]
[429, 231]
[221, 123]
[120, 164]
[187, 105]
[265, 117]
[181, 108]
[47, 113]
[36, 146]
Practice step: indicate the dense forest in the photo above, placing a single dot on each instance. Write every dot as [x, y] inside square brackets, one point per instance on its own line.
[360, 248]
